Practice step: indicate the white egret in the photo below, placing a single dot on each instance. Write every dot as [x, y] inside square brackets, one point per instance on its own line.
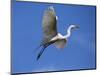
[51, 36]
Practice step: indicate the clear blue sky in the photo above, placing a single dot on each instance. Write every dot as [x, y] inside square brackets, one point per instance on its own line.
[79, 52]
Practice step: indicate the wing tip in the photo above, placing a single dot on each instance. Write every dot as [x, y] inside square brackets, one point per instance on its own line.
[51, 8]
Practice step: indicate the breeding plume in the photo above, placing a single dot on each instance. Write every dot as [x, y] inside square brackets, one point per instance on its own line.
[50, 34]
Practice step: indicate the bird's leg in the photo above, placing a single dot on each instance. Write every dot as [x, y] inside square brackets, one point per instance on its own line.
[40, 53]
[44, 46]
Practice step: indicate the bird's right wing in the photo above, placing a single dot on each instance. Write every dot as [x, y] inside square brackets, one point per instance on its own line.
[60, 43]
[49, 23]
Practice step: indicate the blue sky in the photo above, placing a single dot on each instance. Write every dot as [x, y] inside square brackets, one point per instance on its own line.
[79, 52]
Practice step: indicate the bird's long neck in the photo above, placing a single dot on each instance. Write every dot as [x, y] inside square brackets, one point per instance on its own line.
[68, 33]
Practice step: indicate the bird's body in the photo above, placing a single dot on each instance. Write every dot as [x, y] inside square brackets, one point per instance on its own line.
[58, 36]
[51, 36]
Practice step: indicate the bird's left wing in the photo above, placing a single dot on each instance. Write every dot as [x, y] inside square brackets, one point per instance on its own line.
[49, 28]
[49, 23]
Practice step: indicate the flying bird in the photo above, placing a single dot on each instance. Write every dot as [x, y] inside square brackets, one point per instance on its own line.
[50, 34]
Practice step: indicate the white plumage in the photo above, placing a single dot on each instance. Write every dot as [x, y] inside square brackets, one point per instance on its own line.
[51, 36]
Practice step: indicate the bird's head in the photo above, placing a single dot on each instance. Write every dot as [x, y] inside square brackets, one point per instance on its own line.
[74, 27]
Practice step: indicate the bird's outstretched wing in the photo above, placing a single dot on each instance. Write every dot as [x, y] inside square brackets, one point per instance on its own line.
[49, 28]
[49, 23]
